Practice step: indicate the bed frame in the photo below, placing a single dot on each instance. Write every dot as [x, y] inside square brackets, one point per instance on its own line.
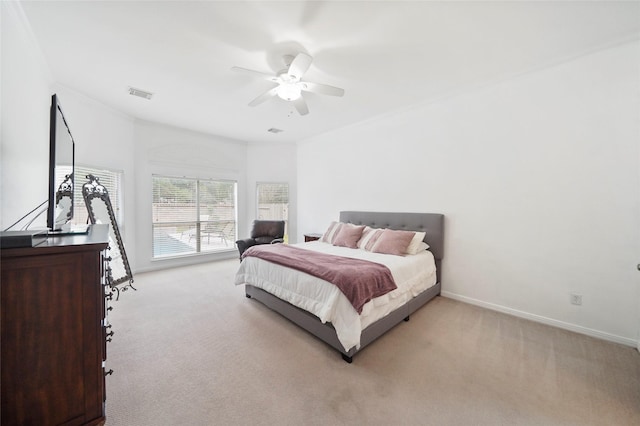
[432, 223]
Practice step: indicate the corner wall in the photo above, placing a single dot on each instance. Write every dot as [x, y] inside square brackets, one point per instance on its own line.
[25, 102]
[538, 178]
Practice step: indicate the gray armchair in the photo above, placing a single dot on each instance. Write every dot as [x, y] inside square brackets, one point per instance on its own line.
[263, 232]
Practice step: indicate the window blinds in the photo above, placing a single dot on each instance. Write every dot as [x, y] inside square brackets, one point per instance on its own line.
[192, 215]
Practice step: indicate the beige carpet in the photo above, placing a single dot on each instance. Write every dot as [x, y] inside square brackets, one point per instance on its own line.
[190, 349]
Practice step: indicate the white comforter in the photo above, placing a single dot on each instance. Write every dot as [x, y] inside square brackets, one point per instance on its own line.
[413, 274]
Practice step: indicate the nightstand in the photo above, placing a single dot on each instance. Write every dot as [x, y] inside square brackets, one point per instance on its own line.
[311, 237]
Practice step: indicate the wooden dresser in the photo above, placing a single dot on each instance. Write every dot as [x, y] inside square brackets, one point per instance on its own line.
[54, 331]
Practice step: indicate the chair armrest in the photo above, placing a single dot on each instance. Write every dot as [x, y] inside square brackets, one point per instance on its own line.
[245, 244]
[277, 240]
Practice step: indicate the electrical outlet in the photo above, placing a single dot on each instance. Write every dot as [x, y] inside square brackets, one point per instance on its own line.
[576, 299]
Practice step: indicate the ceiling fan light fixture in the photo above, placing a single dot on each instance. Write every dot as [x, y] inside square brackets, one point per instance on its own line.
[289, 92]
[290, 85]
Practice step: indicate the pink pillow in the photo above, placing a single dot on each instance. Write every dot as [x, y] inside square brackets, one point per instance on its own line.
[393, 242]
[348, 236]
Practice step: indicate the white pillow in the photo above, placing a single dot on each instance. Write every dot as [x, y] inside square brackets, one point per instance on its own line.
[422, 247]
[414, 246]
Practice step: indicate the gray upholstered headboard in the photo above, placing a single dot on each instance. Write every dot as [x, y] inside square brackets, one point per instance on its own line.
[431, 223]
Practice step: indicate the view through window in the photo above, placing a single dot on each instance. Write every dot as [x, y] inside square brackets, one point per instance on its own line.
[193, 216]
[273, 203]
[112, 180]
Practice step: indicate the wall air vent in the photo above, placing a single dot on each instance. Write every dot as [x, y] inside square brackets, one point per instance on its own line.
[274, 130]
[140, 93]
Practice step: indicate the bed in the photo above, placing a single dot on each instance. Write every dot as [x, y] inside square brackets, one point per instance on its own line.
[267, 283]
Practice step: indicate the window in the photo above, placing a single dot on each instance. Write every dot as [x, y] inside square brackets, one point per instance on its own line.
[192, 216]
[112, 180]
[273, 203]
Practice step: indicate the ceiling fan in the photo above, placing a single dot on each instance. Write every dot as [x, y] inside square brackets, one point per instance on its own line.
[290, 85]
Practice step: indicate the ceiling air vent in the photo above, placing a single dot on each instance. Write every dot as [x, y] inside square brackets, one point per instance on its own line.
[274, 130]
[140, 93]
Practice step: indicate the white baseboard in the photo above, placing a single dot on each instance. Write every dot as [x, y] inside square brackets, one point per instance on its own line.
[187, 260]
[544, 320]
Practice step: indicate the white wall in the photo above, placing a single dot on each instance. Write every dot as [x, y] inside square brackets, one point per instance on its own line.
[538, 179]
[170, 151]
[26, 98]
[270, 162]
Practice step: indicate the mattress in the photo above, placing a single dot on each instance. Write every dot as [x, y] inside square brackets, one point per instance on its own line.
[412, 274]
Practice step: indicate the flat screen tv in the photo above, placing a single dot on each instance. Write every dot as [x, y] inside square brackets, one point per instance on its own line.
[61, 168]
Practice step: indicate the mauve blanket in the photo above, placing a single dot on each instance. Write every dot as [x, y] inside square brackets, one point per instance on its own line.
[359, 280]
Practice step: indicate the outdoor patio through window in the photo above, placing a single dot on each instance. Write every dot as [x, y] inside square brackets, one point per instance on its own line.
[273, 203]
[193, 216]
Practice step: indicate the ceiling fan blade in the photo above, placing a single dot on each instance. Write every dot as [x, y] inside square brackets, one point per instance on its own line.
[264, 97]
[323, 89]
[299, 66]
[301, 106]
[254, 73]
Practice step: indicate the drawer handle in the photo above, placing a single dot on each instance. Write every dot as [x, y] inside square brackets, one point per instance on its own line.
[108, 373]
[109, 334]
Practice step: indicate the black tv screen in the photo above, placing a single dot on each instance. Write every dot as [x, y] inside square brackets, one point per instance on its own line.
[61, 168]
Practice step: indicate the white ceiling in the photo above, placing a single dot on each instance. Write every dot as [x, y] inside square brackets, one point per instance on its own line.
[387, 55]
